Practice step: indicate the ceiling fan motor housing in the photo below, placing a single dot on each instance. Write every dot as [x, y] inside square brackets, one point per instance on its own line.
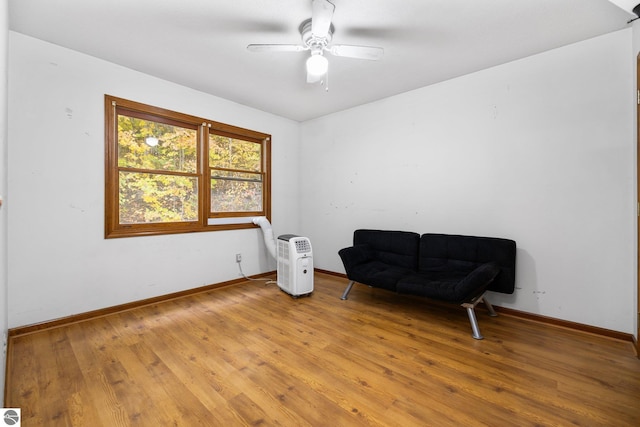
[313, 42]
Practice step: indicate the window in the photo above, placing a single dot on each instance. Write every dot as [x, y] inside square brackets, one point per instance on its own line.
[167, 172]
[236, 173]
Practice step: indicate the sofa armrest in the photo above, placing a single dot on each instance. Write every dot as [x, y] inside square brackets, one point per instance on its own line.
[355, 255]
[476, 281]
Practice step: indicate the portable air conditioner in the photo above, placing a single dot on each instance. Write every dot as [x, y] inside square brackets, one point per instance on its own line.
[295, 265]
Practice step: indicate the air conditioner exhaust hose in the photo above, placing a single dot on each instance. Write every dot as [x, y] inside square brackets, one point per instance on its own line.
[267, 231]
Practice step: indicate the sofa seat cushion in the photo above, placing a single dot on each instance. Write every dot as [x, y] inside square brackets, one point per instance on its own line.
[378, 274]
[451, 286]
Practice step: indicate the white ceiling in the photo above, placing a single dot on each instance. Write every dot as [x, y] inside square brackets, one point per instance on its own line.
[202, 43]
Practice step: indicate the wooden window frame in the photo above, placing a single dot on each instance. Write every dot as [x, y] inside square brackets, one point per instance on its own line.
[113, 228]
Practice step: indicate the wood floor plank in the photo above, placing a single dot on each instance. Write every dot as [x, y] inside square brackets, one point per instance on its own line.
[253, 358]
[110, 370]
[334, 395]
[348, 380]
[250, 354]
[26, 377]
[169, 363]
[193, 355]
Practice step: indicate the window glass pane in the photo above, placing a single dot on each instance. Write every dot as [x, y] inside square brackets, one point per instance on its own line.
[231, 153]
[235, 196]
[155, 198]
[145, 144]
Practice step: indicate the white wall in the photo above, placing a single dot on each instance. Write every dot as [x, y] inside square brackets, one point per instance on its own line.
[539, 150]
[4, 320]
[59, 262]
[633, 90]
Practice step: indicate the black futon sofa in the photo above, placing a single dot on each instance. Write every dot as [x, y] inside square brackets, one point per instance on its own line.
[451, 268]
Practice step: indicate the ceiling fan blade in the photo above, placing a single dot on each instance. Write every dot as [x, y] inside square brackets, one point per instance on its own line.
[275, 48]
[358, 52]
[321, 14]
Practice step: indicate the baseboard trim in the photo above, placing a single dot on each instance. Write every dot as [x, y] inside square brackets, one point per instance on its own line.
[330, 273]
[565, 324]
[540, 318]
[75, 318]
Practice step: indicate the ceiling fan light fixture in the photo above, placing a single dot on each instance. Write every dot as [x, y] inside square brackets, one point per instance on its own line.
[317, 35]
[317, 65]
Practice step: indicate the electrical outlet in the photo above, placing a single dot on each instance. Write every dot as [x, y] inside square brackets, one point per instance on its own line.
[238, 257]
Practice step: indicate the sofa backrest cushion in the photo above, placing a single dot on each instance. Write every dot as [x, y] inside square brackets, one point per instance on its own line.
[398, 248]
[447, 252]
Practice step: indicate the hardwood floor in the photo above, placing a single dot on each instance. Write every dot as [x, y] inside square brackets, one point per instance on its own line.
[250, 354]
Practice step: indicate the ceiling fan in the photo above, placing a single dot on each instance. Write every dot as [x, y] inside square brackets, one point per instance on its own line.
[317, 33]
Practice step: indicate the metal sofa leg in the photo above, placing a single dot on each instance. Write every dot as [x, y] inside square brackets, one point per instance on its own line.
[474, 322]
[346, 291]
[492, 312]
[470, 306]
